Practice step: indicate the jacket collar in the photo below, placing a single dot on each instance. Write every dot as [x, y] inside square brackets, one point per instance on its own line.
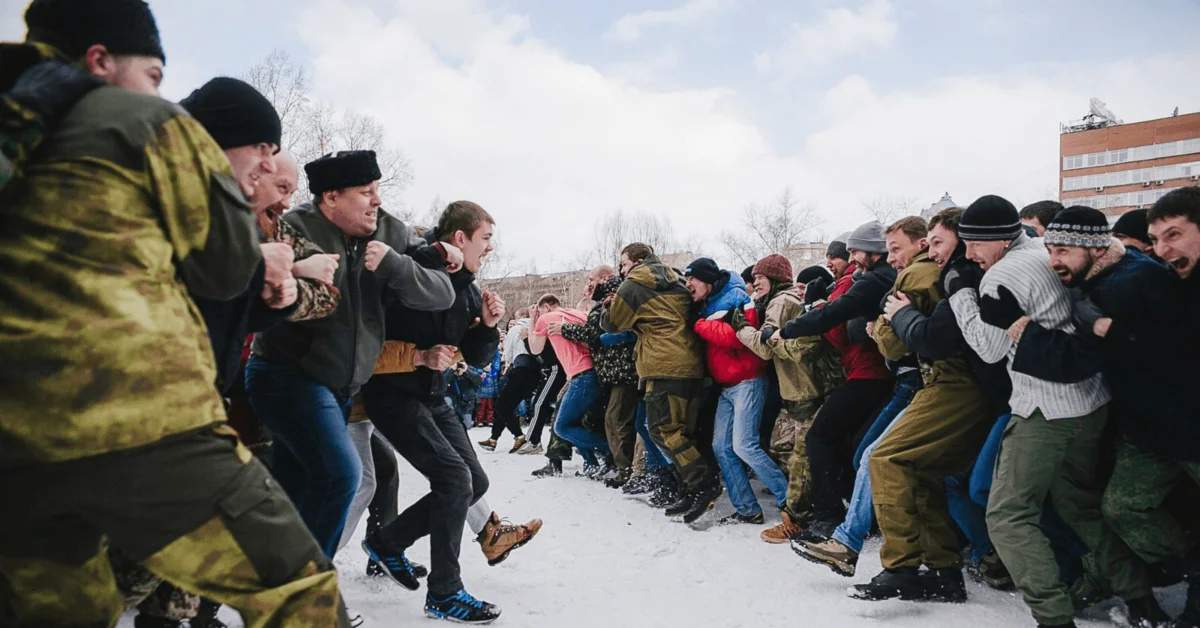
[1115, 251]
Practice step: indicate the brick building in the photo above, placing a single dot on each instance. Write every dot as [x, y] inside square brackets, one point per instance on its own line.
[1117, 167]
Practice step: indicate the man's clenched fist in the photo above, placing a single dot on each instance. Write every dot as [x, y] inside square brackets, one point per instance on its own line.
[278, 260]
[376, 251]
[319, 267]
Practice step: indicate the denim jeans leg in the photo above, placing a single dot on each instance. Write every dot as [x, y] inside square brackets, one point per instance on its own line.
[985, 464]
[748, 398]
[741, 494]
[905, 391]
[861, 515]
[654, 456]
[582, 391]
[970, 517]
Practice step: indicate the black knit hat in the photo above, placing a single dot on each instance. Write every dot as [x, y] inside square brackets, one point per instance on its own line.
[1079, 226]
[704, 269]
[837, 248]
[342, 169]
[124, 27]
[990, 218]
[814, 272]
[1132, 224]
[748, 275]
[234, 113]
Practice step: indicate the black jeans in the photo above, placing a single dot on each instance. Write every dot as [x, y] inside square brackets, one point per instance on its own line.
[543, 404]
[522, 381]
[430, 436]
[384, 505]
[830, 451]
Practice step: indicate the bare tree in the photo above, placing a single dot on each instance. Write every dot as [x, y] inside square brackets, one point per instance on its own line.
[619, 228]
[889, 209]
[773, 228]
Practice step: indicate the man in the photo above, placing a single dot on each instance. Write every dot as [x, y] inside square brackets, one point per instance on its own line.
[1037, 215]
[114, 385]
[868, 383]
[616, 368]
[583, 387]
[1142, 308]
[738, 372]
[302, 377]
[654, 303]
[410, 410]
[1050, 446]
[522, 377]
[939, 434]
[1132, 231]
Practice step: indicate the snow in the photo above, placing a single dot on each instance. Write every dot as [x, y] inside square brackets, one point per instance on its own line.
[604, 559]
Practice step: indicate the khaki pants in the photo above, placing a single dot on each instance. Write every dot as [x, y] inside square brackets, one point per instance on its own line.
[619, 423]
[672, 410]
[1042, 459]
[195, 509]
[939, 434]
[1133, 503]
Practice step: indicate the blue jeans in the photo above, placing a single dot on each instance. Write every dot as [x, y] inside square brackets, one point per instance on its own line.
[736, 440]
[966, 494]
[654, 456]
[314, 458]
[907, 386]
[860, 517]
[582, 392]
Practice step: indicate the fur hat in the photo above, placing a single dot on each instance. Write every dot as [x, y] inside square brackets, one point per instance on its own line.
[342, 169]
[124, 27]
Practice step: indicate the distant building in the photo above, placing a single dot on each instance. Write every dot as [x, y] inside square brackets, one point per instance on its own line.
[945, 203]
[1116, 167]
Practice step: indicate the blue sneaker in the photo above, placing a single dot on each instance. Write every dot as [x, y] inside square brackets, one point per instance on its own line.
[394, 564]
[461, 608]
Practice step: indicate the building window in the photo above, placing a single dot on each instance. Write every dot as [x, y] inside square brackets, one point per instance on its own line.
[1137, 153]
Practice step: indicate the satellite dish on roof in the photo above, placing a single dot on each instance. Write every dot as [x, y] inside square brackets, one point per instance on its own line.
[1098, 109]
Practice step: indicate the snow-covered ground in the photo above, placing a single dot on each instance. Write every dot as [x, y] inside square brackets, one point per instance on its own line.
[605, 560]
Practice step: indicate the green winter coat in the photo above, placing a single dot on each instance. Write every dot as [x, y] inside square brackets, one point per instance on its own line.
[130, 206]
[808, 367]
[654, 303]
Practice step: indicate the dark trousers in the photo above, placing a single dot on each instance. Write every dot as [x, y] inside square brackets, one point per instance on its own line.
[829, 448]
[431, 437]
[544, 402]
[521, 383]
[384, 505]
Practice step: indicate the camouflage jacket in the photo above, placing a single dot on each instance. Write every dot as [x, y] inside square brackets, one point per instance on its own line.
[130, 207]
[615, 364]
[314, 299]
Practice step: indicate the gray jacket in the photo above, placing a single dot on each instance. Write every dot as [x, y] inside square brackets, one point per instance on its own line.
[340, 350]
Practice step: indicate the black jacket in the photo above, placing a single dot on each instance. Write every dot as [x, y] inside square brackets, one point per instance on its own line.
[229, 322]
[340, 350]
[1149, 373]
[861, 302]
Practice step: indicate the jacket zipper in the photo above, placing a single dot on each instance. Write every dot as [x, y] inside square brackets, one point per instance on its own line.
[352, 276]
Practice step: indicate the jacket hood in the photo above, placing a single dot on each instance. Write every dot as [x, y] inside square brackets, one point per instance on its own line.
[654, 274]
[729, 296]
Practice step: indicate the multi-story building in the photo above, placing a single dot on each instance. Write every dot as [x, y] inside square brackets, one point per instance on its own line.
[1117, 167]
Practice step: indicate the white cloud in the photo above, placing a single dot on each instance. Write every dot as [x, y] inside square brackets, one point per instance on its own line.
[629, 27]
[840, 32]
[645, 70]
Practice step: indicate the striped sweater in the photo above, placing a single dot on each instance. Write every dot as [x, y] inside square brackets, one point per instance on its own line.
[1025, 270]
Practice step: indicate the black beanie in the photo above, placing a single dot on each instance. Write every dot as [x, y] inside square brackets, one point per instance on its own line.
[234, 113]
[1079, 226]
[748, 275]
[343, 169]
[814, 272]
[1132, 224]
[704, 269]
[124, 27]
[990, 218]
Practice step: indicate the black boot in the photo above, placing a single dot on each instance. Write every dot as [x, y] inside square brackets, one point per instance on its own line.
[1145, 612]
[681, 505]
[667, 493]
[945, 585]
[703, 499]
[552, 469]
[903, 582]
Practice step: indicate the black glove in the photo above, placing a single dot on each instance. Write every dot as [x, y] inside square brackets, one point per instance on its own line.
[766, 333]
[51, 88]
[1085, 315]
[1000, 311]
[816, 290]
[961, 275]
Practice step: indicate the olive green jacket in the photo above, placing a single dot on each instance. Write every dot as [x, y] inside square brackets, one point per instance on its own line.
[808, 367]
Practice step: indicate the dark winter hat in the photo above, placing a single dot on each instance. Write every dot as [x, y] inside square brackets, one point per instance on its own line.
[234, 113]
[125, 27]
[1132, 224]
[774, 267]
[990, 218]
[748, 275]
[1079, 226]
[867, 238]
[342, 169]
[837, 248]
[704, 269]
[813, 273]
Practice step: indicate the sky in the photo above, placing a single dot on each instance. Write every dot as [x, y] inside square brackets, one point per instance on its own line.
[554, 114]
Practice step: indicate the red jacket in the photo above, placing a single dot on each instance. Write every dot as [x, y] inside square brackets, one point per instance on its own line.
[729, 361]
[860, 361]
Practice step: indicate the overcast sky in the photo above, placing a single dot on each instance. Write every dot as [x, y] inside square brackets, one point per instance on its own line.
[552, 113]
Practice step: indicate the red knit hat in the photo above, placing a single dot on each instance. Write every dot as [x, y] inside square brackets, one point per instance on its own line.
[774, 267]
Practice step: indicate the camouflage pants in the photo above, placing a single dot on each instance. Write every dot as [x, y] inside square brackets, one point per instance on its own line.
[672, 411]
[1134, 503]
[195, 509]
[799, 498]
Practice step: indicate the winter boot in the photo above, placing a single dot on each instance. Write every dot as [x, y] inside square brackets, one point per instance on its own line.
[681, 505]
[818, 531]
[206, 615]
[830, 552]
[668, 492]
[991, 571]
[737, 517]
[517, 445]
[499, 538]
[608, 470]
[461, 608]
[393, 562]
[648, 482]
[783, 532]
[489, 444]
[903, 582]
[552, 469]
[374, 569]
[1144, 612]
[944, 585]
[703, 499]
[619, 480]
[531, 449]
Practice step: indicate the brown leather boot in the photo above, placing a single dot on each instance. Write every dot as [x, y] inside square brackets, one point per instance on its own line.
[783, 532]
[499, 538]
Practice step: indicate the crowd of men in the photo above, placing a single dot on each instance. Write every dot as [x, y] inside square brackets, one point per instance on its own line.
[1013, 398]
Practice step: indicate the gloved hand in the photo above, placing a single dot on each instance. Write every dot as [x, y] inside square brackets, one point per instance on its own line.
[1002, 310]
[766, 333]
[737, 320]
[961, 275]
[51, 88]
[1085, 314]
[816, 290]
